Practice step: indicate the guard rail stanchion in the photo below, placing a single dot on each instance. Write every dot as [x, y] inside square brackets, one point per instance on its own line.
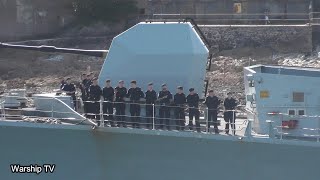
[101, 113]
[153, 117]
[281, 133]
[52, 107]
[318, 129]
[249, 128]
[271, 132]
[207, 120]
[233, 124]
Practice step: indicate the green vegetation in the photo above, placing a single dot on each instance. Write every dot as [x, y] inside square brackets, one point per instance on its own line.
[88, 11]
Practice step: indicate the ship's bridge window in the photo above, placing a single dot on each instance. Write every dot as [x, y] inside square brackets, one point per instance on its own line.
[298, 97]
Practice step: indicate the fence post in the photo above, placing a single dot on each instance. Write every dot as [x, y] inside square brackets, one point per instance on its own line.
[249, 128]
[271, 132]
[153, 117]
[101, 113]
[207, 120]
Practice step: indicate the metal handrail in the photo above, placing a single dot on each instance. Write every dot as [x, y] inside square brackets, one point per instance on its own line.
[154, 117]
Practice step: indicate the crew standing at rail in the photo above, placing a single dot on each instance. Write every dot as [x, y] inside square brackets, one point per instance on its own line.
[179, 102]
[135, 93]
[193, 104]
[164, 99]
[70, 90]
[212, 102]
[229, 113]
[120, 94]
[151, 97]
[84, 92]
[108, 97]
[95, 93]
[62, 83]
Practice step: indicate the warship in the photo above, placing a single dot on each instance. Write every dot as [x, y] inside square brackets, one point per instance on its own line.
[278, 138]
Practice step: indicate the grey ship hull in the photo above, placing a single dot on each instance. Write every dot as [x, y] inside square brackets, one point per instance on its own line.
[81, 153]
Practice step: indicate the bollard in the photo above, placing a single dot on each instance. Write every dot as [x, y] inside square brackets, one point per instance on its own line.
[101, 114]
[271, 132]
[249, 129]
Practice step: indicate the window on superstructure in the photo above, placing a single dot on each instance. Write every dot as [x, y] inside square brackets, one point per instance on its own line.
[301, 112]
[298, 97]
[291, 112]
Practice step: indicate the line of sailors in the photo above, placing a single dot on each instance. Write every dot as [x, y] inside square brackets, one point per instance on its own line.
[115, 97]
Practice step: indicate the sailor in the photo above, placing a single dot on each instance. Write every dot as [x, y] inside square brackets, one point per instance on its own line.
[62, 83]
[85, 79]
[108, 97]
[151, 97]
[179, 101]
[95, 93]
[87, 82]
[84, 92]
[120, 94]
[135, 93]
[70, 89]
[193, 104]
[212, 102]
[164, 99]
[229, 113]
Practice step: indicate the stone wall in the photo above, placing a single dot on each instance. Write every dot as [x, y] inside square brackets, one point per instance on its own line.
[284, 39]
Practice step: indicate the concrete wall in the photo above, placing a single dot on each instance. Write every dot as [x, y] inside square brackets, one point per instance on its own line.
[225, 6]
[294, 38]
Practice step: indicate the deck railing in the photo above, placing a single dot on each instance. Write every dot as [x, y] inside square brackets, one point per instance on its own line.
[288, 126]
[153, 121]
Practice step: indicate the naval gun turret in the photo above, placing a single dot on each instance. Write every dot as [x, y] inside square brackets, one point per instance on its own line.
[175, 53]
[160, 52]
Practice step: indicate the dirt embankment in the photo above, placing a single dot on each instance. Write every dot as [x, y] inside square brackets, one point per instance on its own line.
[42, 70]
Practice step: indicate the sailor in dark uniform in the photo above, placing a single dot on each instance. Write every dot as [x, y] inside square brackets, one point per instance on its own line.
[120, 94]
[95, 93]
[135, 93]
[193, 104]
[70, 90]
[212, 103]
[84, 92]
[86, 83]
[164, 99]
[108, 97]
[151, 97]
[229, 113]
[179, 102]
[62, 83]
